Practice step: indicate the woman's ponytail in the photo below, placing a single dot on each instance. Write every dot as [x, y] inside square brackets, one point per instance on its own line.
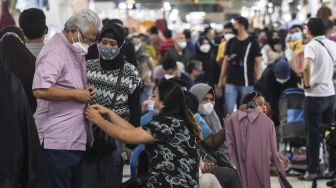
[192, 124]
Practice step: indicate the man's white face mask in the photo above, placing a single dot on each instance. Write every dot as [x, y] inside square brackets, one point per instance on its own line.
[282, 81]
[81, 46]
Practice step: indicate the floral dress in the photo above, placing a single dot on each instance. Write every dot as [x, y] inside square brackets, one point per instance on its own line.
[173, 160]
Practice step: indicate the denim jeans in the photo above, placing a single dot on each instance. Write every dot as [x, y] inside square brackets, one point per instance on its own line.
[232, 92]
[317, 110]
[102, 170]
[61, 168]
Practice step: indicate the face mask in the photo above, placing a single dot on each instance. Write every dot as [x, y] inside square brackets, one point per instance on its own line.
[182, 45]
[262, 40]
[228, 36]
[333, 37]
[82, 46]
[137, 47]
[151, 107]
[169, 76]
[205, 48]
[206, 109]
[108, 53]
[296, 36]
[282, 81]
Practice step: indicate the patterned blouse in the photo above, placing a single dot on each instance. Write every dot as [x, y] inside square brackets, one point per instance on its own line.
[105, 82]
[173, 160]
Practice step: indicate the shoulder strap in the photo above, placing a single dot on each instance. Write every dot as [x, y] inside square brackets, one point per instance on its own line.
[326, 49]
[121, 70]
[245, 62]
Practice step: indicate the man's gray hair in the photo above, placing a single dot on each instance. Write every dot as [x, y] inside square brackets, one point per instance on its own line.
[83, 20]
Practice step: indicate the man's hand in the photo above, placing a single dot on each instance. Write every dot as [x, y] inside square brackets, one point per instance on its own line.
[219, 90]
[82, 95]
[92, 91]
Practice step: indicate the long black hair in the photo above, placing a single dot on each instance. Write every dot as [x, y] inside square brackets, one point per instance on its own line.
[174, 105]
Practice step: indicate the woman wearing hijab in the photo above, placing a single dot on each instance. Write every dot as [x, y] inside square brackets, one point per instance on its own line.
[19, 142]
[206, 97]
[118, 88]
[19, 60]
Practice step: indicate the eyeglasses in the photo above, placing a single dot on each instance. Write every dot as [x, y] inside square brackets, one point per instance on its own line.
[89, 41]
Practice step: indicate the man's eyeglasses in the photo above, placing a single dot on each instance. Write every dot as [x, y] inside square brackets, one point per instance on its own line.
[87, 40]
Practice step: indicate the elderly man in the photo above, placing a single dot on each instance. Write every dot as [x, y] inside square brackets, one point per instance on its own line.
[179, 52]
[60, 87]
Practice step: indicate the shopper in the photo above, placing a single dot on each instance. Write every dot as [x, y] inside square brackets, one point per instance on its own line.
[33, 24]
[171, 138]
[19, 60]
[60, 86]
[118, 89]
[318, 69]
[20, 159]
[242, 64]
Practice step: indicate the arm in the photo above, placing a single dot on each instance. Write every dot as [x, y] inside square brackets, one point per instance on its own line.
[134, 106]
[257, 67]
[306, 71]
[280, 166]
[122, 131]
[59, 94]
[113, 117]
[215, 141]
[131, 135]
[224, 68]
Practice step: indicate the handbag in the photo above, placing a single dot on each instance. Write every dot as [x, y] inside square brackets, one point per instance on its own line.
[102, 142]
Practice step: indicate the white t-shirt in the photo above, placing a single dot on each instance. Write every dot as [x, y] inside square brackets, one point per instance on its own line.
[321, 69]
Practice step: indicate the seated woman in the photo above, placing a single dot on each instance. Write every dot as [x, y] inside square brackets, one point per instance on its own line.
[251, 140]
[171, 138]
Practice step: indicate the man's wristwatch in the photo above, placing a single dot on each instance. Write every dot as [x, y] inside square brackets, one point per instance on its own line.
[306, 87]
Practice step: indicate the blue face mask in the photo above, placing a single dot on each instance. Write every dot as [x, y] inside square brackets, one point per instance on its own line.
[296, 36]
[108, 53]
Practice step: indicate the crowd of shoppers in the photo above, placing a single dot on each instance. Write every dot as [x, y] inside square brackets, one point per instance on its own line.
[74, 107]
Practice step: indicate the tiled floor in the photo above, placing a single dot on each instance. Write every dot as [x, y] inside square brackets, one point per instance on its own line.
[275, 183]
[297, 183]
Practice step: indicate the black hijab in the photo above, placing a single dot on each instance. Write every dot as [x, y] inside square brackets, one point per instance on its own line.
[10, 141]
[19, 60]
[117, 33]
[19, 142]
[13, 29]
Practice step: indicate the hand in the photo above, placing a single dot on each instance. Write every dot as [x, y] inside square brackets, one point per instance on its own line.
[285, 160]
[243, 108]
[82, 95]
[93, 115]
[301, 85]
[219, 90]
[101, 109]
[92, 91]
[208, 167]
